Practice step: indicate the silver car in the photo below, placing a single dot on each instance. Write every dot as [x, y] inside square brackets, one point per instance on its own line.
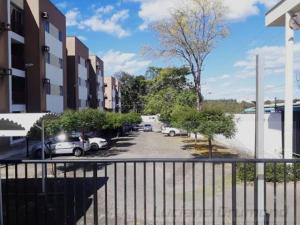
[63, 144]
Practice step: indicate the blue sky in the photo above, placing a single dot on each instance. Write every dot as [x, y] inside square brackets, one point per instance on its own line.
[117, 30]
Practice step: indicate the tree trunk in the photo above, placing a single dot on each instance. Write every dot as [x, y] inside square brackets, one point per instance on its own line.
[210, 147]
[196, 138]
[197, 81]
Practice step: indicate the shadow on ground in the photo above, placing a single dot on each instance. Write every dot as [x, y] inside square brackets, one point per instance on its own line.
[200, 148]
[64, 202]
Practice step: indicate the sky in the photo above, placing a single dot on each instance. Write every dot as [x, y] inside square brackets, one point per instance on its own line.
[117, 31]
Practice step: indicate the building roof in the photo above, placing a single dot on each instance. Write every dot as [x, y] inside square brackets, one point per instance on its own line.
[276, 15]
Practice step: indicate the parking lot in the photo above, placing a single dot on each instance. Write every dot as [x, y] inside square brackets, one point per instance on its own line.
[140, 145]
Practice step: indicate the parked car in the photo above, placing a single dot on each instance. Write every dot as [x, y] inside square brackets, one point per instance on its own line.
[147, 128]
[172, 131]
[97, 143]
[63, 144]
[137, 127]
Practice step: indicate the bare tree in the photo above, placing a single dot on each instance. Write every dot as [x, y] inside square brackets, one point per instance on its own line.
[191, 33]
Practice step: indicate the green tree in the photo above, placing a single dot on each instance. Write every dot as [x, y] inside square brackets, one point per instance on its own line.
[170, 77]
[216, 122]
[186, 118]
[165, 101]
[132, 92]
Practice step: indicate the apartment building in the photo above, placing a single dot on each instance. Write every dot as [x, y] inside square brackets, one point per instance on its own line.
[78, 75]
[96, 79]
[33, 61]
[32, 57]
[112, 94]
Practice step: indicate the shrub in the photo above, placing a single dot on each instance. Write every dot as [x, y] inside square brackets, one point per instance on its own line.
[247, 172]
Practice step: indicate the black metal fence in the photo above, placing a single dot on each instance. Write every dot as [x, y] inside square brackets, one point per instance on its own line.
[149, 191]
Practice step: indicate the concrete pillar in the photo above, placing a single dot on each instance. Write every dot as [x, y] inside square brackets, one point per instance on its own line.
[289, 76]
[259, 141]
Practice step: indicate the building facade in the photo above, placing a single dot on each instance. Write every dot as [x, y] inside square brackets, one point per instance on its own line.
[33, 62]
[32, 57]
[96, 79]
[78, 75]
[112, 94]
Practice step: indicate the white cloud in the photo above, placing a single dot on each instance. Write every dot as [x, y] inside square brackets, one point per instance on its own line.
[62, 5]
[154, 10]
[274, 61]
[110, 25]
[98, 22]
[72, 17]
[116, 61]
[105, 9]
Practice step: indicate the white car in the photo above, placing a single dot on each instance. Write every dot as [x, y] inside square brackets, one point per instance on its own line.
[62, 144]
[172, 131]
[97, 143]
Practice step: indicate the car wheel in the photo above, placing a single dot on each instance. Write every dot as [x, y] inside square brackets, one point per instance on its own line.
[94, 147]
[78, 152]
[38, 154]
[172, 133]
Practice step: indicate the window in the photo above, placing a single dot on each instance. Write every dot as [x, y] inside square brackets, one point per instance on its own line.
[46, 26]
[61, 90]
[17, 19]
[61, 63]
[48, 89]
[87, 83]
[47, 57]
[79, 81]
[60, 36]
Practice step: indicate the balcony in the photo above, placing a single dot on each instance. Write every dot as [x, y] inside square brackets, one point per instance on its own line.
[18, 91]
[17, 19]
[149, 191]
[17, 56]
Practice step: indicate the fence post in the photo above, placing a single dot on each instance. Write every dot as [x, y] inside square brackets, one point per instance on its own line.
[259, 142]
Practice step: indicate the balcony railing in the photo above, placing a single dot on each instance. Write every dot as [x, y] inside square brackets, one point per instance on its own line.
[149, 191]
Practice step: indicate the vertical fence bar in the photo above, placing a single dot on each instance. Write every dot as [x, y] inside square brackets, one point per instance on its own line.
[36, 195]
[234, 193]
[213, 192]
[16, 194]
[95, 194]
[183, 192]
[74, 196]
[223, 193]
[295, 193]
[105, 193]
[134, 193]
[145, 195]
[55, 193]
[116, 193]
[285, 198]
[203, 203]
[65, 195]
[174, 195]
[154, 193]
[7, 198]
[245, 193]
[164, 193]
[275, 193]
[26, 194]
[193, 190]
[125, 193]
[84, 194]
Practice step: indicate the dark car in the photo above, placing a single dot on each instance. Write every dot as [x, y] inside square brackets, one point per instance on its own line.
[147, 128]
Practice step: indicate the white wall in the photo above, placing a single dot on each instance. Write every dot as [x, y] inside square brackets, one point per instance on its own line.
[55, 103]
[244, 139]
[55, 45]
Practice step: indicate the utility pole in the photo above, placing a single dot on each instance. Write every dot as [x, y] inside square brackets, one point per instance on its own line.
[259, 142]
